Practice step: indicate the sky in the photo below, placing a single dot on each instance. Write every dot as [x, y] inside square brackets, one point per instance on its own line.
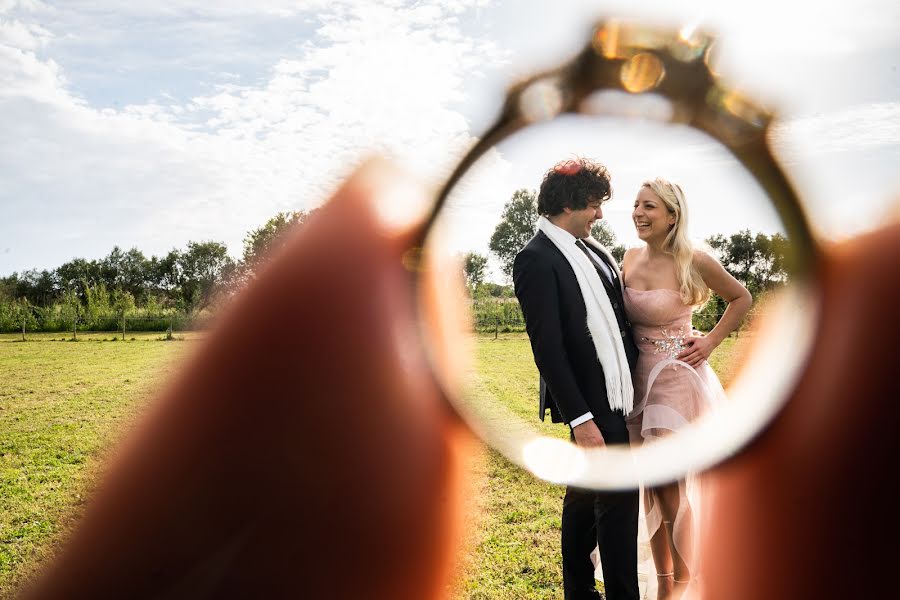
[150, 124]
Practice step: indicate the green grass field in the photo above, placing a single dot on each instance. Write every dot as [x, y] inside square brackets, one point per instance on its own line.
[64, 404]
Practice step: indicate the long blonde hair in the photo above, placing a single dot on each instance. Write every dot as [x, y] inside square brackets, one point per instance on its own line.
[694, 290]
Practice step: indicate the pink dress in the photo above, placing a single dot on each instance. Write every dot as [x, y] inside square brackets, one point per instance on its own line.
[668, 394]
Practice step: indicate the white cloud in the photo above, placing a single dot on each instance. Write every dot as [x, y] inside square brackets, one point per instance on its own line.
[845, 165]
[207, 129]
[21, 35]
[862, 127]
[29, 5]
[373, 79]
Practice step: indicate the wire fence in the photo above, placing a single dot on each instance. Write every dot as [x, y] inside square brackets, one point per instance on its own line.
[490, 315]
[166, 323]
[504, 315]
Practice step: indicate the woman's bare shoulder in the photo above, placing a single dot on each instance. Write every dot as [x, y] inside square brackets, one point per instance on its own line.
[631, 253]
[704, 261]
[629, 257]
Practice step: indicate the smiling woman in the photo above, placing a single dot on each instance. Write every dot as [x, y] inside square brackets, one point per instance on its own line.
[664, 280]
[650, 215]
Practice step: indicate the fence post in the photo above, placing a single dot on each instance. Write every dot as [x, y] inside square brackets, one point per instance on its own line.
[497, 328]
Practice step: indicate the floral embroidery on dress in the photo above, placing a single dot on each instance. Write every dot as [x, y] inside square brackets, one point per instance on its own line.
[672, 345]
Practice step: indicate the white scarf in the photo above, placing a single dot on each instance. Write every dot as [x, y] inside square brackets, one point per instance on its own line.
[601, 319]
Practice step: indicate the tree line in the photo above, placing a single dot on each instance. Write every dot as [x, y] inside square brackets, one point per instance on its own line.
[94, 294]
[187, 283]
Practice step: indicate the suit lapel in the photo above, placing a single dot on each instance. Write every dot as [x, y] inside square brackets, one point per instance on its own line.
[612, 289]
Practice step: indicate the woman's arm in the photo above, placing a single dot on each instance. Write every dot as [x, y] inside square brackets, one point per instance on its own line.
[733, 292]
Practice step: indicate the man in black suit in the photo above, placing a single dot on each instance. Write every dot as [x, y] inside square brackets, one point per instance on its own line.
[561, 316]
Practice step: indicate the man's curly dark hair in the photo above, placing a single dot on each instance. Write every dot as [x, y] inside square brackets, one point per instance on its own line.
[573, 184]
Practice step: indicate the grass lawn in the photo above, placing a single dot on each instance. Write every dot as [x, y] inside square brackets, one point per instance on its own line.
[64, 404]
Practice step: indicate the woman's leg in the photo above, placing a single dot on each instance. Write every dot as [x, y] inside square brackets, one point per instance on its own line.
[669, 498]
[660, 549]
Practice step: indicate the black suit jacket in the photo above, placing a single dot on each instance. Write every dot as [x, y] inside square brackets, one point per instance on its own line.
[572, 379]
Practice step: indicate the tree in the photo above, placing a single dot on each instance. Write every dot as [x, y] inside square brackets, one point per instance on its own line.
[707, 317]
[8, 286]
[109, 268]
[602, 232]
[263, 241]
[127, 271]
[23, 314]
[164, 276]
[73, 274]
[495, 290]
[134, 271]
[96, 301]
[72, 310]
[123, 303]
[474, 268]
[40, 287]
[772, 265]
[516, 227]
[201, 267]
[758, 261]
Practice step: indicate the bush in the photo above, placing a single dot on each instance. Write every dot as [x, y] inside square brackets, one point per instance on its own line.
[54, 319]
[708, 315]
[491, 314]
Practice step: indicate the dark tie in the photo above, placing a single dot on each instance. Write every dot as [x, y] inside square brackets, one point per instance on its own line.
[611, 289]
[603, 272]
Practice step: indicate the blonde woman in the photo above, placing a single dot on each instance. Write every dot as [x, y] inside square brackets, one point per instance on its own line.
[673, 383]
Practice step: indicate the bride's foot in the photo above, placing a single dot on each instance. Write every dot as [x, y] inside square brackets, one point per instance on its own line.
[665, 585]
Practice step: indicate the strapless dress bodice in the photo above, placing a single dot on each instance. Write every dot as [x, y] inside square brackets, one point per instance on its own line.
[660, 320]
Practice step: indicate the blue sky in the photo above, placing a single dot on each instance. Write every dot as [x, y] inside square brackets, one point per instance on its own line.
[149, 124]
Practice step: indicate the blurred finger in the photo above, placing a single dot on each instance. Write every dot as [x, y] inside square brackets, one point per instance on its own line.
[240, 481]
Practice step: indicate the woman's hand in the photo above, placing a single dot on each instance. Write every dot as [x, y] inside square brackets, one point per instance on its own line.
[698, 349]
